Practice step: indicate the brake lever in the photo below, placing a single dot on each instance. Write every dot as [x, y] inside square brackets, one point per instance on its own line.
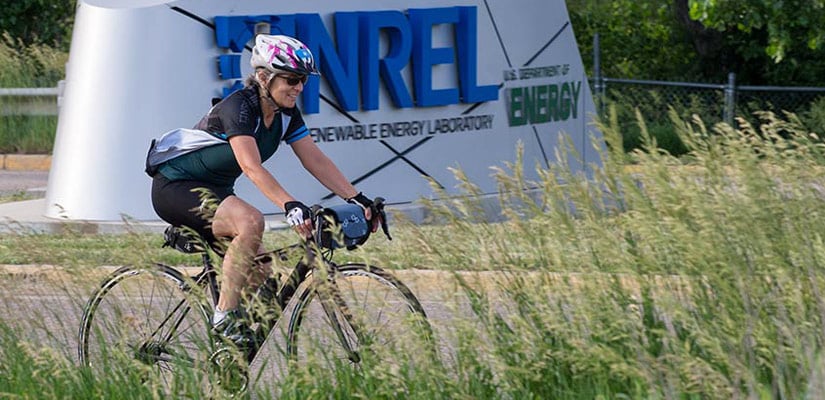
[379, 206]
[315, 212]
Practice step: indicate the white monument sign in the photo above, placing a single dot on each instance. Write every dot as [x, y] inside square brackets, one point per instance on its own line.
[408, 90]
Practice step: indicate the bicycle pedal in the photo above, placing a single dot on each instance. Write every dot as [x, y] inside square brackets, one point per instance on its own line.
[223, 357]
[232, 373]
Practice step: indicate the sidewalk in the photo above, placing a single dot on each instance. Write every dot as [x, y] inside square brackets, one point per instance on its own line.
[24, 173]
[30, 182]
[29, 174]
[27, 216]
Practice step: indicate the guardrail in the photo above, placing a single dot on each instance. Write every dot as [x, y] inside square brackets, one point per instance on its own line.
[31, 101]
[29, 92]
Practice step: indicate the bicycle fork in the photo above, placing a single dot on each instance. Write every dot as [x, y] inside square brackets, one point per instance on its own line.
[341, 320]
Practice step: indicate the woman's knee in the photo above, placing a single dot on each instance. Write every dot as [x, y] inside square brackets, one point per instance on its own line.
[252, 223]
[239, 218]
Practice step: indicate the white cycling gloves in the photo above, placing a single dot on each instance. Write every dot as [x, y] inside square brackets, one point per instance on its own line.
[296, 212]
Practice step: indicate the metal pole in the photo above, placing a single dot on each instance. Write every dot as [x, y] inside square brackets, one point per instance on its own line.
[730, 99]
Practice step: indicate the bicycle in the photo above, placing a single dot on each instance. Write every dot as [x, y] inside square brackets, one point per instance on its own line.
[159, 317]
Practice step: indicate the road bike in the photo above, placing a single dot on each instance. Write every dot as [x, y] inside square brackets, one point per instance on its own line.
[159, 316]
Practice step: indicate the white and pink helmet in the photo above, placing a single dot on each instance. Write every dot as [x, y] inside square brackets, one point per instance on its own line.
[282, 53]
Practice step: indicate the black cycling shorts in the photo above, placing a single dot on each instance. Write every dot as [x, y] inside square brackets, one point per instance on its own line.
[180, 203]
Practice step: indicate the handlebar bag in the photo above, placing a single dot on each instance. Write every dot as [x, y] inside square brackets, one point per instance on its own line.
[342, 225]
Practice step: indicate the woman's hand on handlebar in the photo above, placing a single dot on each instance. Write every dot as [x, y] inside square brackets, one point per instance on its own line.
[371, 212]
[299, 217]
[374, 212]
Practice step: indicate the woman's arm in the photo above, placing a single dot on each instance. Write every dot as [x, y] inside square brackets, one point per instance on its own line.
[249, 158]
[322, 168]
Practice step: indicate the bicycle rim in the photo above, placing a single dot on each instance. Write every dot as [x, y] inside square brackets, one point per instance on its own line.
[147, 317]
[371, 320]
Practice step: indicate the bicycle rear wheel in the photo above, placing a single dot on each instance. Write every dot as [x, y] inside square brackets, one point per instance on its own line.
[147, 317]
[364, 318]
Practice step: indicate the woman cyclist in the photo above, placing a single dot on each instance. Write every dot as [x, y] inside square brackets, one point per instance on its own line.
[253, 121]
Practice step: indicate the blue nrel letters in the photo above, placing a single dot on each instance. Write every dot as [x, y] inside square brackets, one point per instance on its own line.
[355, 68]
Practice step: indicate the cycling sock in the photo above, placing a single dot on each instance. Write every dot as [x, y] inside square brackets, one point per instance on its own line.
[219, 316]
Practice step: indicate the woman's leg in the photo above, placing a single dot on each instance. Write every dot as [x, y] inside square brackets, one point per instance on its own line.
[242, 222]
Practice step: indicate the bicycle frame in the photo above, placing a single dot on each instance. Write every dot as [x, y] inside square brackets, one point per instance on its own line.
[315, 288]
[330, 300]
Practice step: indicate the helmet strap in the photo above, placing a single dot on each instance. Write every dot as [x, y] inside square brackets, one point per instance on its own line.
[265, 93]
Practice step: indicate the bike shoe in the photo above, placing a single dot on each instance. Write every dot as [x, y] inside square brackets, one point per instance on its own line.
[234, 330]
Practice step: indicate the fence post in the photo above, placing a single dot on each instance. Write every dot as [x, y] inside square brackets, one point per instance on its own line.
[597, 75]
[730, 99]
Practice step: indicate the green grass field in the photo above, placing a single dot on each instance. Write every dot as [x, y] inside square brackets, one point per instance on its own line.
[699, 279]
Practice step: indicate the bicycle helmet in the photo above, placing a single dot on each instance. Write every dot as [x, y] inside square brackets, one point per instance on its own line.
[282, 53]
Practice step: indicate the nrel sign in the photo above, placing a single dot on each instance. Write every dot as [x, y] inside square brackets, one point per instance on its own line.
[407, 93]
[356, 65]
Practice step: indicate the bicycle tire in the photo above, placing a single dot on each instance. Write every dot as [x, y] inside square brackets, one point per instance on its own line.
[149, 315]
[392, 325]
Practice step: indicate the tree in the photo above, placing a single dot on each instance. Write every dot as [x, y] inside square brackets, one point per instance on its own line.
[46, 22]
[765, 42]
[789, 25]
[639, 39]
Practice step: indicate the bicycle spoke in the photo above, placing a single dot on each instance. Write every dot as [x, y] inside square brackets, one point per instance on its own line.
[372, 317]
[147, 316]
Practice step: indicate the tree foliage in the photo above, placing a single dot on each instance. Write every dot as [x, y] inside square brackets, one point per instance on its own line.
[46, 22]
[638, 38]
[765, 42]
[789, 26]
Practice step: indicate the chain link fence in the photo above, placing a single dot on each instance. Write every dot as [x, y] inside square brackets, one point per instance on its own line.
[805, 102]
[712, 103]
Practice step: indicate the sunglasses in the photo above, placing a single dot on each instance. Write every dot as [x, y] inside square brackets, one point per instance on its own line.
[294, 80]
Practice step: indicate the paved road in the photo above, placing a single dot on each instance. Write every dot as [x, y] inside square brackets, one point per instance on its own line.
[12, 182]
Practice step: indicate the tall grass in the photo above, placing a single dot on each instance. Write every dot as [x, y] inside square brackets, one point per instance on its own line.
[666, 281]
[697, 281]
[28, 66]
[27, 134]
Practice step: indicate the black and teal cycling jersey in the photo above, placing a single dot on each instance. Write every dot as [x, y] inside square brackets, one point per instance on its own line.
[238, 114]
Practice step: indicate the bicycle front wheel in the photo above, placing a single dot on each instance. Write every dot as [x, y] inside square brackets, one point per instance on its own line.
[146, 317]
[360, 316]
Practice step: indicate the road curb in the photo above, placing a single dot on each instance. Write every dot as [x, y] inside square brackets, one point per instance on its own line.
[25, 162]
